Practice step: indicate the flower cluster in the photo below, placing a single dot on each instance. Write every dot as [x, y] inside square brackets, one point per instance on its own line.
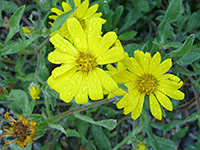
[81, 50]
[23, 130]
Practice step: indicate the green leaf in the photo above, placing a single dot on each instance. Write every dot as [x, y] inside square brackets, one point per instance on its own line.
[109, 23]
[164, 142]
[60, 21]
[185, 48]
[15, 47]
[72, 133]
[109, 124]
[130, 19]
[193, 22]
[21, 99]
[42, 125]
[100, 139]
[9, 6]
[141, 5]
[189, 58]
[108, 112]
[118, 13]
[43, 72]
[58, 127]
[14, 23]
[127, 35]
[165, 31]
[173, 10]
[71, 3]
[181, 133]
[173, 124]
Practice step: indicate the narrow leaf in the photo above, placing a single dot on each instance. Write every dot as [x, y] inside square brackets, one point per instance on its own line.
[14, 23]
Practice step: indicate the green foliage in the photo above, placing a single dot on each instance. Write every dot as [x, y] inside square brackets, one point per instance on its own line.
[170, 27]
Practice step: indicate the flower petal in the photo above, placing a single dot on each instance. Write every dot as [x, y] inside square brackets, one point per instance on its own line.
[173, 93]
[94, 86]
[112, 55]
[71, 87]
[81, 10]
[134, 98]
[143, 59]
[58, 82]
[58, 57]
[90, 11]
[82, 95]
[155, 107]
[123, 102]
[163, 68]
[64, 45]
[53, 17]
[138, 110]
[164, 100]
[77, 33]
[77, 3]
[66, 7]
[57, 11]
[61, 70]
[93, 29]
[105, 43]
[155, 62]
[106, 81]
[135, 67]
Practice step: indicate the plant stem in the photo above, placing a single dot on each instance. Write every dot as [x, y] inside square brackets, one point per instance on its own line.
[64, 114]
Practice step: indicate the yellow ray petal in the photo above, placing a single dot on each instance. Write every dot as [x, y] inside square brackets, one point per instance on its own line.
[138, 110]
[71, 87]
[53, 17]
[57, 11]
[143, 59]
[77, 33]
[172, 84]
[58, 57]
[82, 95]
[81, 10]
[163, 68]
[123, 102]
[173, 93]
[66, 7]
[115, 54]
[155, 107]
[155, 62]
[77, 2]
[164, 100]
[90, 11]
[61, 70]
[135, 67]
[94, 86]
[106, 42]
[106, 81]
[134, 98]
[64, 45]
[58, 82]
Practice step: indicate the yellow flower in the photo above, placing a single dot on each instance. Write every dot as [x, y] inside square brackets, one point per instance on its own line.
[83, 14]
[147, 76]
[141, 146]
[26, 30]
[23, 130]
[79, 75]
[34, 91]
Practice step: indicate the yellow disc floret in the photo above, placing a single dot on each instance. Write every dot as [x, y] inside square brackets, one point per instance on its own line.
[86, 62]
[147, 84]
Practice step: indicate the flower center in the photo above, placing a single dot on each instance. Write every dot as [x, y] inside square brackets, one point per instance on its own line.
[86, 62]
[147, 84]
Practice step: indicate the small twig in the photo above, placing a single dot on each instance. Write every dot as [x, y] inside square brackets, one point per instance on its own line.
[26, 20]
[64, 114]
